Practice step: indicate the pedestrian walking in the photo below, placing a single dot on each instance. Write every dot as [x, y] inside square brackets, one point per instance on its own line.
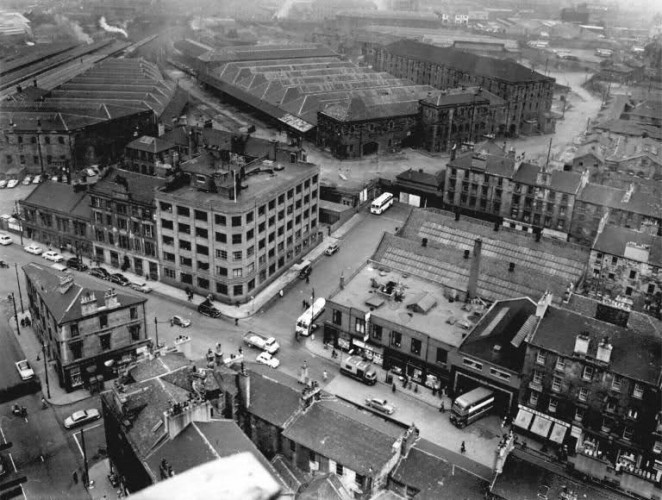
[463, 447]
[303, 304]
[280, 294]
[236, 321]
[442, 408]
[75, 477]
[307, 280]
[241, 350]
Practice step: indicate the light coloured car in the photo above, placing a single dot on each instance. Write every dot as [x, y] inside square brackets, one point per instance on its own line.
[5, 239]
[34, 249]
[140, 287]
[24, 369]
[36, 179]
[179, 321]
[12, 183]
[81, 418]
[26, 180]
[3, 184]
[331, 249]
[53, 256]
[267, 359]
[380, 405]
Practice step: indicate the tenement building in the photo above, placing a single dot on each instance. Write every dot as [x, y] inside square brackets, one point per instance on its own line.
[86, 332]
[231, 226]
[592, 383]
[528, 94]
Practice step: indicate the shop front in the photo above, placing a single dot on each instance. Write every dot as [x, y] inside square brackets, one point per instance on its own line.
[416, 370]
[372, 353]
[542, 426]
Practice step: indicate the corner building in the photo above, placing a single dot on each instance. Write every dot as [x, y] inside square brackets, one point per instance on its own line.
[229, 228]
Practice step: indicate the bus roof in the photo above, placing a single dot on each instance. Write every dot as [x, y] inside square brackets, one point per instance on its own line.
[382, 197]
[472, 396]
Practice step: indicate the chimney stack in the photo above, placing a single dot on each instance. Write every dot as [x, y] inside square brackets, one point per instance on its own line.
[88, 304]
[475, 268]
[604, 350]
[543, 304]
[110, 299]
[581, 344]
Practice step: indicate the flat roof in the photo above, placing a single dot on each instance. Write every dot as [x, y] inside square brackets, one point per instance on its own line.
[359, 290]
[262, 183]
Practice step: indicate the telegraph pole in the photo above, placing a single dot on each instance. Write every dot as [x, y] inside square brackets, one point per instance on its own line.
[18, 282]
[18, 328]
[156, 331]
[48, 385]
[87, 482]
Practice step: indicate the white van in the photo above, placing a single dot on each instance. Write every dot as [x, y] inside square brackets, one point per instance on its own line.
[305, 323]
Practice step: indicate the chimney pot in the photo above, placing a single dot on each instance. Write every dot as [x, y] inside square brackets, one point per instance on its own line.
[466, 254]
[511, 267]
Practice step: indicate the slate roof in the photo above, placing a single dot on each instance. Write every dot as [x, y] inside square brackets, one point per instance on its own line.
[327, 487]
[57, 197]
[629, 127]
[434, 478]
[150, 144]
[499, 326]
[539, 266]
[431, 180]
[141, 187]
[458, 96]
[559, 180]
[522, 479]
[489, 163]
[356, 438]
[274, 398]
[65, 307]
[613, 241]
[634, 355]
[159, 366]
[501, 69]
[640, 202]
[202, 442]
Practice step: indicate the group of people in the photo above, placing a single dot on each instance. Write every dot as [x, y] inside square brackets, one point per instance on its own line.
[26, 321]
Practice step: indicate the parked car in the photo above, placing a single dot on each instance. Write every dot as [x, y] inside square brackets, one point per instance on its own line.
[179, 321]
[208, 309]
[24, 369]
[267, 359]
[331, 249]
[53, 256]
[100, 272]
[26, 180]
[12, 183]
[81, 418]
[5, 239]
[37, 179]
[120, 279]
[77, 264]
[3, 183]
[34, 249]
[380, 405]
[140, 287]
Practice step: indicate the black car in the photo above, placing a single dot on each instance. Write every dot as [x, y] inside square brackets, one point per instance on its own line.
[100, 272]
[76, 264]
[120, 279]
[208, 309]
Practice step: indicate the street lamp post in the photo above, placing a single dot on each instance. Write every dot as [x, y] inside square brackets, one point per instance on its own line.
[48, 385]
[18, 328]
[156, 331]
[18, 282]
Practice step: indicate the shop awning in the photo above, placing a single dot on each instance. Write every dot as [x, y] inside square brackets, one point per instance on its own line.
[523, 419]
[541, 426]
[558, 433]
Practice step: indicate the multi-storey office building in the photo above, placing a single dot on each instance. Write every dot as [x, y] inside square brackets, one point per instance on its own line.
[83, 329]
[122, 221]
[528, 94]
[230, 228]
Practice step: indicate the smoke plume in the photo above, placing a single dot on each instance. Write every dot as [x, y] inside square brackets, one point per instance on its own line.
[73, 28]
[111, 29]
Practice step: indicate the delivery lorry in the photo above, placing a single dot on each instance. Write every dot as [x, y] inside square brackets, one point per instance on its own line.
[305, 325]
[359, 369]
[262, 342]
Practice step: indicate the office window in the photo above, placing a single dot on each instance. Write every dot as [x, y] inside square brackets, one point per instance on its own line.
[359, 325]
[184, 228]
[396, 339]
[186, 261]
[184, 211]
[221, 237]
[222, 254]
[416, 346]
[237, 255]
[238, 290]
[202, 233]
[201, 249]
[103, 321]
[236, 221]
[237, 273]
[166, 224]
[200, 215]
[185, 245]
[220, 220]
[221, 271]
[203, 283]
[249, 217]
[236, 239]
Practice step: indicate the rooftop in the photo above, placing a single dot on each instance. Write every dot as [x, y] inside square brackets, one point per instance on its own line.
[347, 434]
[615, 240]
[463, 95]
[640, 202]
[150, 144]
[500, 327]
[494, 164]
[60, 197]
[267, 52]
[434, 478]
[553, 264]
[506, 70]
[360, 293]
[559, 180]
[274, 397]
[66, 307]
[139, 187]
[261, 181]
[635, 355]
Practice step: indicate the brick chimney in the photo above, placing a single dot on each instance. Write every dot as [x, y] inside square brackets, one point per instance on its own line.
[88, 304]
[604, 350]
[110, 299]
[543, 304]
[475, 269]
